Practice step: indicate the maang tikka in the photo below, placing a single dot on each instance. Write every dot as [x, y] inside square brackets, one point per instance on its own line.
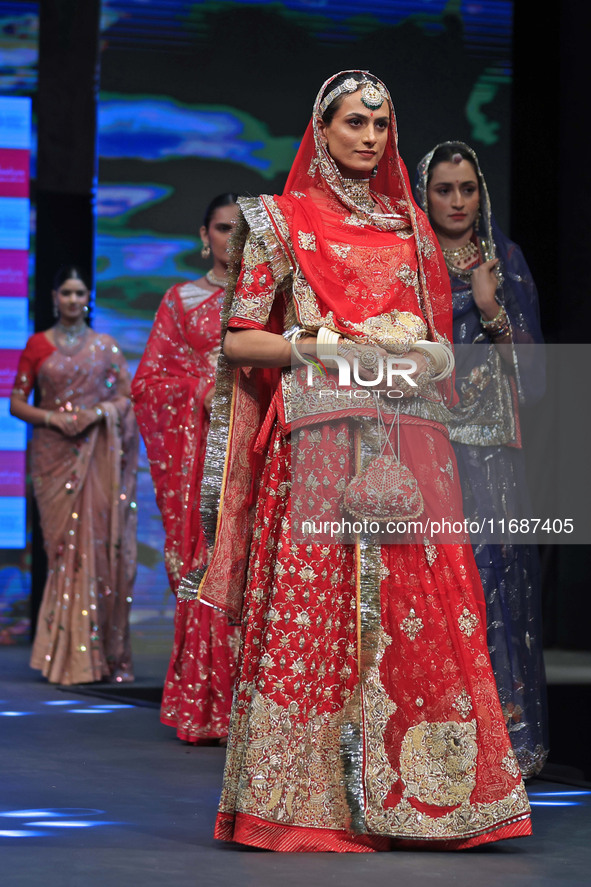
[372, 94]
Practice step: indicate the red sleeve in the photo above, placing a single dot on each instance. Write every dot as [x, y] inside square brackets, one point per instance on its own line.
[37, 350]
[255, 289]
[241, 323]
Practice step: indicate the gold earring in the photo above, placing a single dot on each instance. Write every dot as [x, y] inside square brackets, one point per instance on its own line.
[205, 251]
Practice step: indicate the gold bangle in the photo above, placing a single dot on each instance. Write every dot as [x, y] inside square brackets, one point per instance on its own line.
[497, 320]
[48, 414]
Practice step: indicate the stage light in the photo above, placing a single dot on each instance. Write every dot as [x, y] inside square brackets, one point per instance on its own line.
[554, 804]
[15, 714]
[66, 707]
[69, 823]
[13, 833]
[52, 818]
[115, 706]
[53, 812]
[64, 702]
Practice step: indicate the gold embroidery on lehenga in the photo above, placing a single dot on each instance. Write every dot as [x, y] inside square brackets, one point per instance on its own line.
[288, 771]
[465, 821]
[463, 704]
[412, 625]
[438, 762]
[468, 622]
[378, 708]
[510, 764]
[438, 767]
[430, 552]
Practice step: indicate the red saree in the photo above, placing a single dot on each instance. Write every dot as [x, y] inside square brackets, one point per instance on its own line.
[366, 714]
[175, 374]
[85, 489]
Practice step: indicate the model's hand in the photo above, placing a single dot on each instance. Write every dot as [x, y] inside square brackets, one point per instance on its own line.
[422, 362]
[368, 359]
[484, 287]
[420, 375]
[64, 422]
[86, 418]
[73, 422]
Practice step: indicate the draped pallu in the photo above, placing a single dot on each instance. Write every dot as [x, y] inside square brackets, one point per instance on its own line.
[176, 373]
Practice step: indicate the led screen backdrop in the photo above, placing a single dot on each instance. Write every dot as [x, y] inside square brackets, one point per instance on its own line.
[203, 97]
[15, 144]
[18, 79]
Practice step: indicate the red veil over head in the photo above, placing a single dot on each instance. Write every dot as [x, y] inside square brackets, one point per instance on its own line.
[314, 167]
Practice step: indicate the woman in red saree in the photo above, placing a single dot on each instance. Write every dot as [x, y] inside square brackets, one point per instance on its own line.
[365, 714]
[83, 466]
[172, 391]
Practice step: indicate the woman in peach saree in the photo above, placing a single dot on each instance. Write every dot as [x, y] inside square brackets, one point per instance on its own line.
[83, 465]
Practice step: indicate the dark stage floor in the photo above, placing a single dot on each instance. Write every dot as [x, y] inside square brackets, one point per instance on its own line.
[100, 794]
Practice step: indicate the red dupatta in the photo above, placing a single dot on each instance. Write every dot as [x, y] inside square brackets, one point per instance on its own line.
[314, 170]
[169, 389]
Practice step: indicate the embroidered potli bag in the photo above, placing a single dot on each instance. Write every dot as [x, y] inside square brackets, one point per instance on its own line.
[385, 490]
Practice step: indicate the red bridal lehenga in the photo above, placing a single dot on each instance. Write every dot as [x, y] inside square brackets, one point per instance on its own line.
[85, 489]
[366, 714]
[175, 374]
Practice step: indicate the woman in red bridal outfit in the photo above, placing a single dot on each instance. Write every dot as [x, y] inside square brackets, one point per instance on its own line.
[172, 391]
[365, 714]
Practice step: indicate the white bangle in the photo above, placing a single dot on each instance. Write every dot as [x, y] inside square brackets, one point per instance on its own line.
[327, 341]
[442, 357]
[293, 339]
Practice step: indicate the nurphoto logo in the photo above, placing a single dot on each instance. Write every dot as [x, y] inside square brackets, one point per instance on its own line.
[389, 370]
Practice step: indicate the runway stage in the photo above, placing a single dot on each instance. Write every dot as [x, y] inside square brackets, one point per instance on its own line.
[96, 793]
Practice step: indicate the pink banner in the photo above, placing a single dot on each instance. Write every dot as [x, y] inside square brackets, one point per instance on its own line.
[14, 173]
[14, 269]
[12, 473]
[8, 365]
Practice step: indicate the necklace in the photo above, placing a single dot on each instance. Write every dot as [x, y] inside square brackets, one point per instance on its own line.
[71, 334]
[216, 281]
[358, 191]
[466, 253]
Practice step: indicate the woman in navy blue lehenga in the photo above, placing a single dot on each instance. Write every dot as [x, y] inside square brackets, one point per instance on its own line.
[495, 306]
